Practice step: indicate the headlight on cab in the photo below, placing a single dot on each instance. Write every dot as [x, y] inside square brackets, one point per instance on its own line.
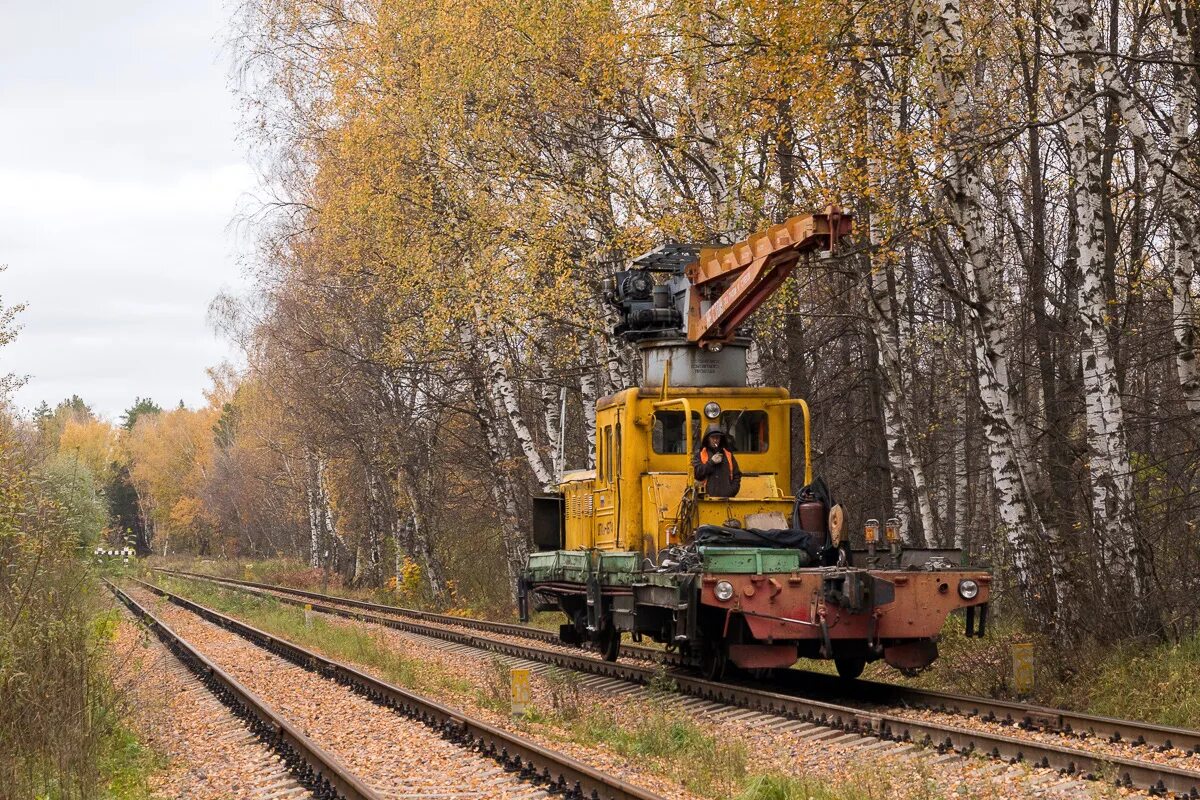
[712, 410]
[968, 589]
[723, 590]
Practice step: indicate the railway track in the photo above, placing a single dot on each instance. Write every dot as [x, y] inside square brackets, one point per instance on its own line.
[314, 768]
[1011, 744]
[213, 752]
[540, 770]
[1023, 715]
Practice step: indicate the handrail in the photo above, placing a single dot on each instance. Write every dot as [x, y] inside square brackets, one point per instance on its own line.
[687, 426]
[796, 401]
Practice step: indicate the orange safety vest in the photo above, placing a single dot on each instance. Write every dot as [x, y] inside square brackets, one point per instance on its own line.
[728, 459]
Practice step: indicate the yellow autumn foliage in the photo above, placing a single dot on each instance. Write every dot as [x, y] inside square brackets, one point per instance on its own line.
[91, 441]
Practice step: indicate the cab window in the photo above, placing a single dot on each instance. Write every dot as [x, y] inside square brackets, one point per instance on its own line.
[668, 436]
[747, 429]
[608, 473]
[617, 455]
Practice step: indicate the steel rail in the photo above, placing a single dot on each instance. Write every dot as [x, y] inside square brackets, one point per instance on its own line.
[1160, 779]
[1024, 715]
[506, 628]
[319, 771]
[558, 773]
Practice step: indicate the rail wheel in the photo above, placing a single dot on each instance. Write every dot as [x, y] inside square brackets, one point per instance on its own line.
[850, 667]
[714, 657]
[609, 643]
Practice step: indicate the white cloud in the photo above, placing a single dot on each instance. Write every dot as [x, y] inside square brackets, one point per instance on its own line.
[119, 174]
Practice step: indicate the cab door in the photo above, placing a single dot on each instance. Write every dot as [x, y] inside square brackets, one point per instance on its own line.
[607, 490]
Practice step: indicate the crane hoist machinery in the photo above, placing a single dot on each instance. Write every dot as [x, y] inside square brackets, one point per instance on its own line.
[760, 579]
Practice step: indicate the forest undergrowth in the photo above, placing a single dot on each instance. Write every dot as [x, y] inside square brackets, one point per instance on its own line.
[63, 728]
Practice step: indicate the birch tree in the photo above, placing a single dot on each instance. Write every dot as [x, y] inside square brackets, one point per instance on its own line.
[1108, 465]
[941, 27]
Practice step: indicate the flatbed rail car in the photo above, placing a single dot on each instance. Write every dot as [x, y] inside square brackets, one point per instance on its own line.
[759, 579]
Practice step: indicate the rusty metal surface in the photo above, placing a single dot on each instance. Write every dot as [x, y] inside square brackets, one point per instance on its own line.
[944, 738]
[779, 607]
[739, 278]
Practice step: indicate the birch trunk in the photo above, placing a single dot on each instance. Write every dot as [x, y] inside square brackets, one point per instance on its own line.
[905, 464]
[552, 421]
[316, 527]
[1108, 464]
[502, 488]
[588, 395]
[942, 34]
[1183, 312]
[505, 392]
[379, 527]
[754, 367]
[961, 487]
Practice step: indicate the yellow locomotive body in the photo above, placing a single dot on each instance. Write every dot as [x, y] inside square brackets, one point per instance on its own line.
[635, 498]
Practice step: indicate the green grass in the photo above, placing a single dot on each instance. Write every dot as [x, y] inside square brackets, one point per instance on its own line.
[1160, 684]
[785, 787]
[676, 745]
[126, 766]
[339, 642]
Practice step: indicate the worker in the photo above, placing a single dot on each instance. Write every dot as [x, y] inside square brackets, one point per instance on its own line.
[714, 465]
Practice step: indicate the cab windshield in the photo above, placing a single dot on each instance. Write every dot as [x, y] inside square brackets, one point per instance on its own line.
[747, 429]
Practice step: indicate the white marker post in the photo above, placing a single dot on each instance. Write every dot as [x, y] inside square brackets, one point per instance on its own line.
[308, 615]
[520, 691]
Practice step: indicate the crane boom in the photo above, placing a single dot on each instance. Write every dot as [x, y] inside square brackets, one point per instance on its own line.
[710, 291]
[730, 283]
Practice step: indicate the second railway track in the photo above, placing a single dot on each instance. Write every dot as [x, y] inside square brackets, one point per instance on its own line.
[411, 746]
[1011, 742]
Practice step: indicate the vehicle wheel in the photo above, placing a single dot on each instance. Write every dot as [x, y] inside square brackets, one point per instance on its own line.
[850, 668]
[713, 660]
[610, 643]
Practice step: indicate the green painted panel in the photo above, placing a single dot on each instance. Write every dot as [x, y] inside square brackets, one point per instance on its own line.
[574, 566]
[617, 569]
[751, 560]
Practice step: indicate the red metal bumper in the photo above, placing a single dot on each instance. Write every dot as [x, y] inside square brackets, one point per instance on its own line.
[789, 607]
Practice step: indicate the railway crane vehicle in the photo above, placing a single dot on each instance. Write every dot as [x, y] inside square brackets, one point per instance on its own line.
[758, 580]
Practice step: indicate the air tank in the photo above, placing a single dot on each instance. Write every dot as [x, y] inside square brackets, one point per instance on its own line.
[814, 519]
[692, 366]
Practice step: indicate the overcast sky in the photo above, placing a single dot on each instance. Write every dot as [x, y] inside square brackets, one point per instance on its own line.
[120, 171]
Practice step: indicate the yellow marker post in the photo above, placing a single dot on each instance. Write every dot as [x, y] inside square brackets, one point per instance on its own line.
[308, 615]
[520, 691]
[1022, 666]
